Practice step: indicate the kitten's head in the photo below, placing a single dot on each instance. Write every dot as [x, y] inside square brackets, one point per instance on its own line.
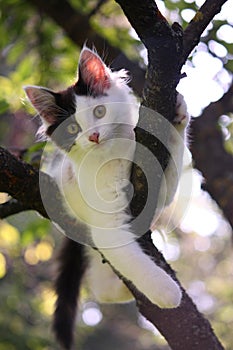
[98, 107]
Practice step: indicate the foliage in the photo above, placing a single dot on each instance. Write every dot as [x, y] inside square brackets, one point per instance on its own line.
[34, 50]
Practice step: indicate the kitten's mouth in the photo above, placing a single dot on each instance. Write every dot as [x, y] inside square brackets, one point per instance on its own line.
[94, 137]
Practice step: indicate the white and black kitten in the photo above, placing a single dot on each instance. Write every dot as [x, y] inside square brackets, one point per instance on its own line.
[92, 124]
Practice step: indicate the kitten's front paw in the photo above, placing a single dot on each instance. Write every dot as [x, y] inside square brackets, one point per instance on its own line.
[171, 297]
[165, 293]
[182, 116]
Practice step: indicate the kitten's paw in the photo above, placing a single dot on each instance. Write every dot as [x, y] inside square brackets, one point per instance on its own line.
[165, 293]
[182, 116]
[171, 297]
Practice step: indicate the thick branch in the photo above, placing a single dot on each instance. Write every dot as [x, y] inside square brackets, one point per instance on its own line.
[63, 10]
[37, 191]
[198, 24]
[21, 181]
[12, 207]
[184, 327]
[164, 44]
[180, 330]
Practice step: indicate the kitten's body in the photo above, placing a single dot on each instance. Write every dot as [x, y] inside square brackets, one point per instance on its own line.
[98, 149]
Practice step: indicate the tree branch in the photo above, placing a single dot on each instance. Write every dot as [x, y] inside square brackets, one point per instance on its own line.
[181, 329]
[12, 207]
[164, 44]
[191, 37]
[21, 181]
[36, 190]
[198, 24]
[184, 327]
[74, 23]
[77, 27]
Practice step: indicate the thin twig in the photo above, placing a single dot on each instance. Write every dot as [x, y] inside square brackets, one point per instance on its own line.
[198, 24]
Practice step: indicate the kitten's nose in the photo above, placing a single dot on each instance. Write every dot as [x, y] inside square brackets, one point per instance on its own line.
[94, 137]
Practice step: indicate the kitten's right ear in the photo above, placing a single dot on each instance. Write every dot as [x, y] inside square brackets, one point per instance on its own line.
[93, 73]
[43, 100]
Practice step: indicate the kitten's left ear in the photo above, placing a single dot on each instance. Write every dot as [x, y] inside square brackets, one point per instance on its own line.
[93, 72]
[44, 102]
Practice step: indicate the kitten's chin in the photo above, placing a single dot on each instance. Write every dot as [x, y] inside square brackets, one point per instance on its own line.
[81, 148]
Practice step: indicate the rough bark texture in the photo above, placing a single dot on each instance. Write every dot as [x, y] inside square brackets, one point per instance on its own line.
[30, 189]
[20, 180]
[198, 24]
[191, 37]
[184, 327]
[164, 46]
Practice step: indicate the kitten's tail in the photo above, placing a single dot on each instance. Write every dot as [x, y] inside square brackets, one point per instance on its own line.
[72, 265]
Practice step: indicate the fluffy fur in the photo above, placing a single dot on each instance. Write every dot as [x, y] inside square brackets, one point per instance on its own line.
[92, 123]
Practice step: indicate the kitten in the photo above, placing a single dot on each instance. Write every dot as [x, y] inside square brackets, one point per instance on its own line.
[92, 124]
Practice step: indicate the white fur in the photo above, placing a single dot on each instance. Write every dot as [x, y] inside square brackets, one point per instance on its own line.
[99, 201]
[147, 277]
[104, 284]
[92, 178]
[179, 154]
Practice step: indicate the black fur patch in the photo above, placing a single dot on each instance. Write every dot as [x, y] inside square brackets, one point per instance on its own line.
[66, 100]
[82, 89]
[72, 265]
[59, 133]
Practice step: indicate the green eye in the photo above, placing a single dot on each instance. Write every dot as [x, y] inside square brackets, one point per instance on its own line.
[99, 111]
[72, 128]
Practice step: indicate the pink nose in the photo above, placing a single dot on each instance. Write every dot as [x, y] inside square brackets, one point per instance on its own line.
[94, 137]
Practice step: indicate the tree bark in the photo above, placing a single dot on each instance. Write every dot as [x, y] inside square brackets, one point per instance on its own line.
[183, 327]
[202, 18]
[191, 37]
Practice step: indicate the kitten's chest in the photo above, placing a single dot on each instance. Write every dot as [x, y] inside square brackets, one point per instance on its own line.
[95, 191]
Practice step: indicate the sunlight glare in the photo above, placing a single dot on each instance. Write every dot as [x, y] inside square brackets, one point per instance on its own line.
[226, 12]
[188, 14]
[197, 291]
[200, 220]
[2, 265]
[168, 246]
[225, 33]
[199, 88]
[217, 48]
[144, 323]
[91, 315]
[199, 3]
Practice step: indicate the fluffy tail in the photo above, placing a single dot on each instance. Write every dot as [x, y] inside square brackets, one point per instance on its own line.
[72, 265]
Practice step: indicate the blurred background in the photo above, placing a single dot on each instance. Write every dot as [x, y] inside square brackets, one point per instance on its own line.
[39, 45]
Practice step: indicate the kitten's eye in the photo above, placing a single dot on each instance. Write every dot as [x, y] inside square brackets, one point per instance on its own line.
[99, 111]
[72, 128]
